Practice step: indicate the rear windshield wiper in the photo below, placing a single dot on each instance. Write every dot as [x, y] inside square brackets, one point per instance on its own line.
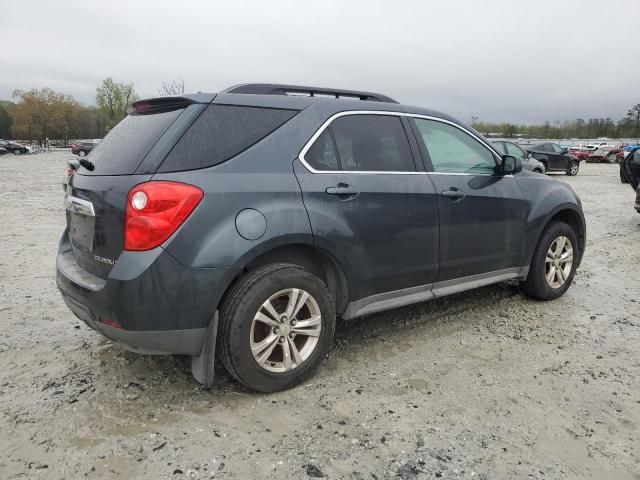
[83, 162]
[88, 164]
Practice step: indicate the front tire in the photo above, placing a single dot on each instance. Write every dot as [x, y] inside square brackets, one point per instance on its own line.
[554, 262]
[276, 325]
[82, 153]
[17, 151]
[572, 171]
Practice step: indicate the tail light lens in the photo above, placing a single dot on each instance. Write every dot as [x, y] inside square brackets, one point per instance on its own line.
[155, 210]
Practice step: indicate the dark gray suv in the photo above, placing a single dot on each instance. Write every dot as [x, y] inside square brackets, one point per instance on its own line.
[239, 225]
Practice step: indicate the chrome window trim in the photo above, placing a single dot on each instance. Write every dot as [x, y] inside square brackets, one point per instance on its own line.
[328, 122]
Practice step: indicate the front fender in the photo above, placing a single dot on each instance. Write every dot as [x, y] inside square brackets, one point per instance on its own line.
[547, 199]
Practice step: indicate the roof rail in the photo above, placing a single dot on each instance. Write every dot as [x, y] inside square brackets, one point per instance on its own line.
[277, 89]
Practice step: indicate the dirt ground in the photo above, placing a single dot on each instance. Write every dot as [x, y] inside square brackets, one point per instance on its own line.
[482, 385]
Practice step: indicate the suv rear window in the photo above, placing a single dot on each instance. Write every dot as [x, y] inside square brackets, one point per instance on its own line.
[125, 146]
[221, 132]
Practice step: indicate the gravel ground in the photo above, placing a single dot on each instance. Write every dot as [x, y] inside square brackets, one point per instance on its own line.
[486, 384]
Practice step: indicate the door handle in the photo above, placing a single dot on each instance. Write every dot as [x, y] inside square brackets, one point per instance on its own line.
[342, 190]
[454, 194]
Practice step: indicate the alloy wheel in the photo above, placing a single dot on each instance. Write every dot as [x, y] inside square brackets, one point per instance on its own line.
[574, 168]
[285, 330]
[559, 262]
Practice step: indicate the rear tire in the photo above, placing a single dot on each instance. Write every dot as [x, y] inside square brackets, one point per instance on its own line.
[17, 151]
[82, 153]
[241, 334]
[573, 168]
[537, 284]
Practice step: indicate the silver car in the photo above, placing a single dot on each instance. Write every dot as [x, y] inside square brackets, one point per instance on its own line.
[528, 162]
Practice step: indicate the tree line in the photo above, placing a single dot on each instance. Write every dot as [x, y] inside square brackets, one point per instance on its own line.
[39, 114]
[628, 127]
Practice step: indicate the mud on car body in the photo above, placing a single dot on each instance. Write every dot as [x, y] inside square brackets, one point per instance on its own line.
[240, 225]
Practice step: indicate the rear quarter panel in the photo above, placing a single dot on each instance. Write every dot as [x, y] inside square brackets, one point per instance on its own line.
[260, 178]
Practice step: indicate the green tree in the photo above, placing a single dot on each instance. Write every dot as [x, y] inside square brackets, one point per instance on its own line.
[5, 123]
[633, 115]
[34, 115]
[113, 99]
[509, 130]
[41, 114]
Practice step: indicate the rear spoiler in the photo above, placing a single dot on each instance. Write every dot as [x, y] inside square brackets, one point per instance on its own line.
[164, 104]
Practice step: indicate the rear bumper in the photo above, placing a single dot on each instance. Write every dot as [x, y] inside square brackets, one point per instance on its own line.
[153, 342]
[161, 306]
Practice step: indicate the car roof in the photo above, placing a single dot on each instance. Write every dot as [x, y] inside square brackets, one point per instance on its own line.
[276, 96]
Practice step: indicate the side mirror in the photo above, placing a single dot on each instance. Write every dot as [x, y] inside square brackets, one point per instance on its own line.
[510, 165]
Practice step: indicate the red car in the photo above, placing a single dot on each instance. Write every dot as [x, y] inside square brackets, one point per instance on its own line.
[604, 154]
[579, 152]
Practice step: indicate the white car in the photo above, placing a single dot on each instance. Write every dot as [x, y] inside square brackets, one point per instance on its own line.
[592, 147]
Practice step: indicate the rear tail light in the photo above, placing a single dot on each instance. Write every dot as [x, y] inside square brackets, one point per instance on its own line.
[155, 210]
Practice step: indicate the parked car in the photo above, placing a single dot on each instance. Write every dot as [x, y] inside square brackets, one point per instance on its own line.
[528, 162]
[82, 149]
[592, 147]
[604, 154]
[13, 147]
[581, 153]
[630, 173]
[241, 224]
[554, 158]
[628, 148]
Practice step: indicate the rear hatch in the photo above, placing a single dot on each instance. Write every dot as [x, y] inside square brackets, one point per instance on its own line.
[95, 200]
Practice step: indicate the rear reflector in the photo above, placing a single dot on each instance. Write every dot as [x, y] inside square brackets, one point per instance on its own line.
[155, 210]
[111, 323]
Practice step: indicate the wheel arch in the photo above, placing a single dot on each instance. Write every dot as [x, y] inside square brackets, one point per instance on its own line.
[316, 260]
[576, 221]
[569, 214]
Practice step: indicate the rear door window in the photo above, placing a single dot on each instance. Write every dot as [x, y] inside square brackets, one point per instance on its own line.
[122, 150]
[322, 155]
[556, 148]
[545, 147]
[362, 143]
[220, 133]
[372, 143]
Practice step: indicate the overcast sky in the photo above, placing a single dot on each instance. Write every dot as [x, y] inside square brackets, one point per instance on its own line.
[500, 60]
